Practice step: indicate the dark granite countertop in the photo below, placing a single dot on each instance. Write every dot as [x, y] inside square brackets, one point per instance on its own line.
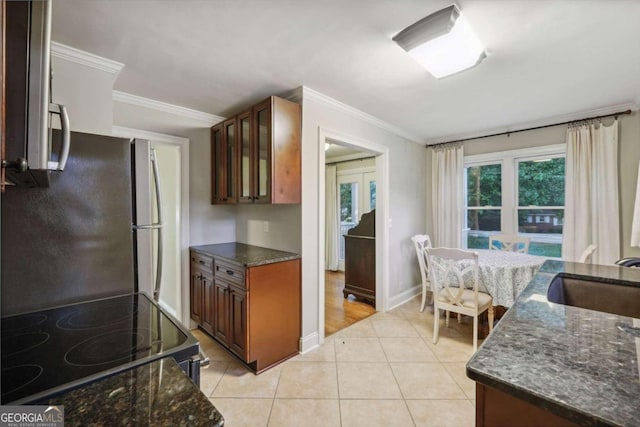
[247, 255]
[577, 363]
[158, 393]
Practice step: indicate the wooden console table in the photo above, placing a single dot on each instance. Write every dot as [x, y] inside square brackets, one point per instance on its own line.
[360, 260]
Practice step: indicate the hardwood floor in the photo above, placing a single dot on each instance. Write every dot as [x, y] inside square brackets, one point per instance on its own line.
[340, 312]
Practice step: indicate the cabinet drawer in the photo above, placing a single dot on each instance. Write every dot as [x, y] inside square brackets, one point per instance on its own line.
[201, 261]
[229, 272]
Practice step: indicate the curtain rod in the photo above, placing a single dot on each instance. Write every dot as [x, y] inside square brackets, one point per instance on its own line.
[348, 161]
[619, 113]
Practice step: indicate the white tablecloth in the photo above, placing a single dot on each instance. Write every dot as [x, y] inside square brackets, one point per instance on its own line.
[503, 275]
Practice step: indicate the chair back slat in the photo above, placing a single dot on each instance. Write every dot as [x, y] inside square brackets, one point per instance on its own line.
[587, 254]
[509, 242]
[420, 242]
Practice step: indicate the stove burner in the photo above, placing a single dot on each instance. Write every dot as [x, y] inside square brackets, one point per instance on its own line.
[17, 377]
[99, 316]
[117, 346]
[23, 342]
[18, 323]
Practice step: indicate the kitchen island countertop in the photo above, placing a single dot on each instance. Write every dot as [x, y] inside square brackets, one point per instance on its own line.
[158, 393]
[246, 255]
[579, 364]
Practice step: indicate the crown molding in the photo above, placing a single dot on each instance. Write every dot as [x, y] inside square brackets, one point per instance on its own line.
[82, 57]
[127, 98]
[294, 95]
[549, 121]
[308, 93]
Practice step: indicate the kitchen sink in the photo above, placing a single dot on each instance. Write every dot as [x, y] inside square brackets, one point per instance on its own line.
[589, 292]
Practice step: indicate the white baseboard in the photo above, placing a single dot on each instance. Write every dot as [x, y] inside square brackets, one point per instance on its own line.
[309, 342]
[405, 296]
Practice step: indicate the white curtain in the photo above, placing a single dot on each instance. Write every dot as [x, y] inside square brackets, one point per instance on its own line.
[447, 176]
[332, 219]
[591, 193]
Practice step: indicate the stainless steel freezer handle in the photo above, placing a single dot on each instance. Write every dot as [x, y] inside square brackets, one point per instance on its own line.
[156, 179]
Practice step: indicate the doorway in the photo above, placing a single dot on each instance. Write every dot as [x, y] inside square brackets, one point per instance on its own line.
[356, 180]
[168, 159]
[172, 154]
[350, 191]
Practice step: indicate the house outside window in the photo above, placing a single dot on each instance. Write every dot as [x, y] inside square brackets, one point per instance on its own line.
[516, 192]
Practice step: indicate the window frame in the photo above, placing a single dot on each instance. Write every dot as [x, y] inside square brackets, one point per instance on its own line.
[509, 161]
[465, 225]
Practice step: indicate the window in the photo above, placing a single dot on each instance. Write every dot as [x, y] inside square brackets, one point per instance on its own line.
[516, 192]
[541, 194]
[484, 203]
[357, 191]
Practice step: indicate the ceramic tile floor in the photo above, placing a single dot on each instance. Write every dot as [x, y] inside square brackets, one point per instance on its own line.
[382, 371]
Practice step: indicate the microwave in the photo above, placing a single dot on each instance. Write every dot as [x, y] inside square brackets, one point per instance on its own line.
[29, 110]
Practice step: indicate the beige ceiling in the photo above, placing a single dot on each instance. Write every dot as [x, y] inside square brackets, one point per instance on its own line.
[546, 58]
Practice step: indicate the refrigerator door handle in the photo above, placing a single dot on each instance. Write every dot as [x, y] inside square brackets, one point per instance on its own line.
[154, 226]
[66, 137]
[158, 226]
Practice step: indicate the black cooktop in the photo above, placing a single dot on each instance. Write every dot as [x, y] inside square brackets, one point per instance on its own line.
[55, 350]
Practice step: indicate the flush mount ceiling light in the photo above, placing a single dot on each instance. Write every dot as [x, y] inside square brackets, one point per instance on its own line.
[443, 43]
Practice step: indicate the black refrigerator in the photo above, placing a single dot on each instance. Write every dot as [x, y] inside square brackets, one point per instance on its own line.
[74, 240]
[72, 310]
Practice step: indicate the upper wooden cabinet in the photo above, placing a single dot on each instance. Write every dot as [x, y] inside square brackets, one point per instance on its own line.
[266, 141]
[223, 159]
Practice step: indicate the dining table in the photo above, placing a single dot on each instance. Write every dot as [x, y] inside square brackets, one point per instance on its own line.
[504, 274]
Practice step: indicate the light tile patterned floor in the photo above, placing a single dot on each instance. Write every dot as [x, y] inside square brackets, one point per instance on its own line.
[382, 371]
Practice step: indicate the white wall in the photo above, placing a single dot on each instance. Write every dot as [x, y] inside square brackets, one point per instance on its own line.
[283, 224]
[86, 92]
[406, 200]
[629, 156]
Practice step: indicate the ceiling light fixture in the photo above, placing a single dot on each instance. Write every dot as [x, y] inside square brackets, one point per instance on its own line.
[443, 43]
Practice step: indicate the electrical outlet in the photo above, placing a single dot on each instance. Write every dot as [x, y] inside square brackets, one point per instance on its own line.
[265, 226]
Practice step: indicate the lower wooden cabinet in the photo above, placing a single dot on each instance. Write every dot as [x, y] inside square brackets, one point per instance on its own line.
[495, 408]
[252, 311]
[201, 291]
[207, 302]
[230, 316]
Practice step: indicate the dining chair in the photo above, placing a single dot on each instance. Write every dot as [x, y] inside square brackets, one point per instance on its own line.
[587, 254]
[420, 241]
[509, 242]
[449, 273]
[629, 262]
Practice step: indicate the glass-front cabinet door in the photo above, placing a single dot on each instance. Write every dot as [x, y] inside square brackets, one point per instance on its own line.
[223, 160]
[230, 160]
[262, 167]
[217, 172]
[245, 162]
